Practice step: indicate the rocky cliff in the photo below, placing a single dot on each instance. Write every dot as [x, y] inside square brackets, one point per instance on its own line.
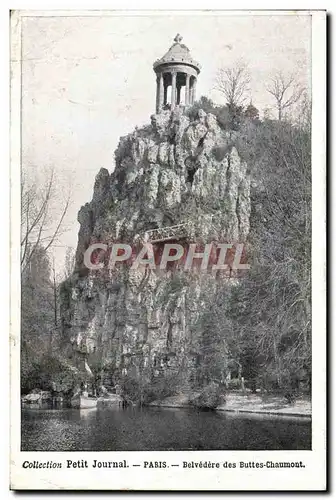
[176, 170]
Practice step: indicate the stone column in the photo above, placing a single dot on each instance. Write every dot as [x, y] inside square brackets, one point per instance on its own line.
[161, 92]
[178, 95]
[165, 94]
[173, 91]
[157, 106]
[194, 90]
[190, 91]
[186, 98]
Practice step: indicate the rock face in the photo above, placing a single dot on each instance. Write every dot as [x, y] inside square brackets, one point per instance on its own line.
[136, 322]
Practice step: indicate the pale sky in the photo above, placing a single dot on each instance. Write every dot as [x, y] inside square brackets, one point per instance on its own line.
[86, 81]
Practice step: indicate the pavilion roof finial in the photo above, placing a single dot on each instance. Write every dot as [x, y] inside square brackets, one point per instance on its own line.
[178, 38]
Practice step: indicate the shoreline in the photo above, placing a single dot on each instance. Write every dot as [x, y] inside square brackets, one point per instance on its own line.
[265, 404]
[270, 413]
[247, 404]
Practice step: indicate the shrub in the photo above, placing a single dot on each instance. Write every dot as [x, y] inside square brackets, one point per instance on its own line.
[48, 373]
[222, 113]
[131, 387]
[210, 397]
[146, 391]
[203, 103]
[234, 384]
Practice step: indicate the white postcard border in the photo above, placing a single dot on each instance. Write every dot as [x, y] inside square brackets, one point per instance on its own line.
[313, 476]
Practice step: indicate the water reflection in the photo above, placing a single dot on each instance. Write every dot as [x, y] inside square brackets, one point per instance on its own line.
[87, 413]
[158, 429]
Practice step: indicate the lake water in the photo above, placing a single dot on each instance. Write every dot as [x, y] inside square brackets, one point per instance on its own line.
[109, 429]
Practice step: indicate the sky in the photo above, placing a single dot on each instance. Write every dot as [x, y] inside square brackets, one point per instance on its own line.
[86, 81]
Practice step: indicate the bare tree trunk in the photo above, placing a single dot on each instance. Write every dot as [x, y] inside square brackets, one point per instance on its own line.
[277, 362]
[38, 226]
[55, 293]
[285, 91]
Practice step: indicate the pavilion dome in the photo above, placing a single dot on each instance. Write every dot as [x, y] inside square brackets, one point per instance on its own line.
[179, 54]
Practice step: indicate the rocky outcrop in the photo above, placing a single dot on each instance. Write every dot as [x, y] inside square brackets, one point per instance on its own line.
[176, 170]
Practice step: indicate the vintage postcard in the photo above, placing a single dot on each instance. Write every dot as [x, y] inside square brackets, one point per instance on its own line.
[168, 327]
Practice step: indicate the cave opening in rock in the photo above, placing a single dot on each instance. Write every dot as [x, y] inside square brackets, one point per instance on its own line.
[171, 139]
[191, 169]
[191, 174]
[200, 143]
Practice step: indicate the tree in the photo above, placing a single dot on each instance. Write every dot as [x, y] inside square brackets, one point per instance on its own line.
[304, 113]
[55, 292]
[251, 112]
[69, 263]
[285, 91]
[37, 315]
[272, 308]
[57, 278]
[42, 222]
[40, 226]
[234, 83]
[214, 336]
[267, 113]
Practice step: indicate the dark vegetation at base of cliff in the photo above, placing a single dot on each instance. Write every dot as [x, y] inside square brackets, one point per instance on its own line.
[210, 396]
[144, 390]
[259, 329]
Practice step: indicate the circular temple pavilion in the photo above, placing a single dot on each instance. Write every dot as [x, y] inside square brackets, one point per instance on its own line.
[176, 77]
